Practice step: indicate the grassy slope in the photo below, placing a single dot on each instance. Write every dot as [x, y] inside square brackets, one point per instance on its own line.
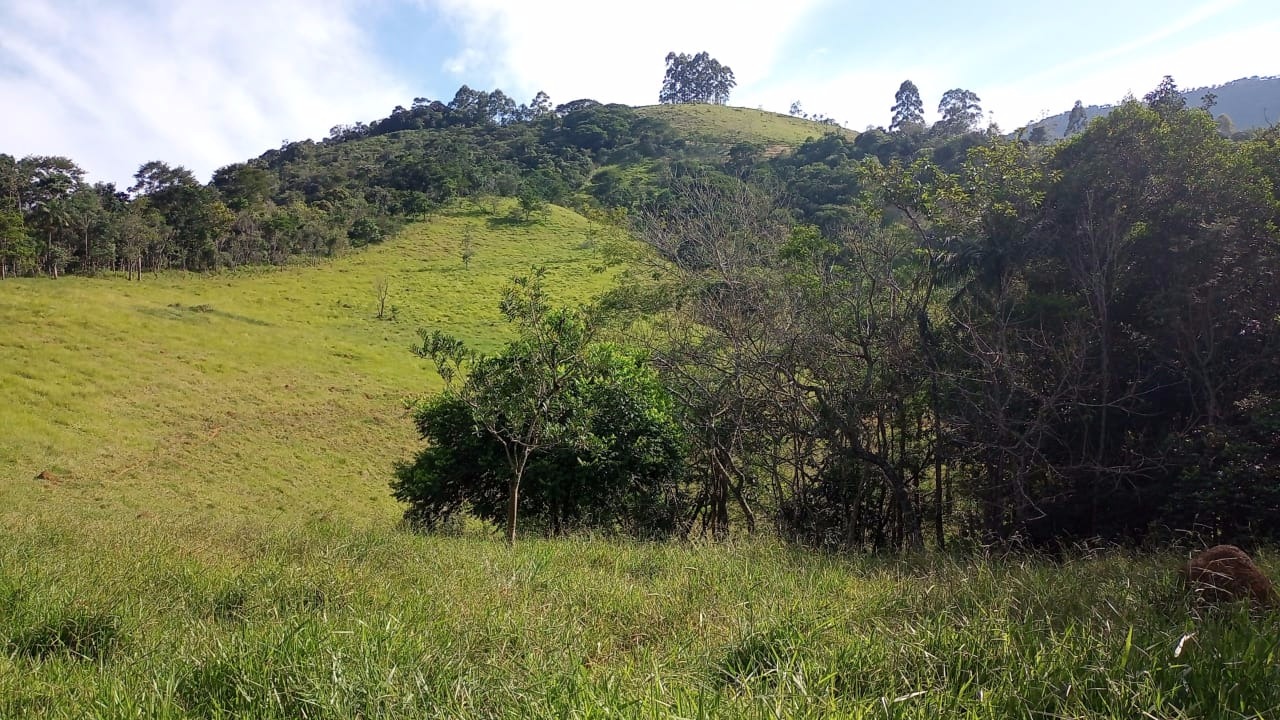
[246, 395]
[723, 126]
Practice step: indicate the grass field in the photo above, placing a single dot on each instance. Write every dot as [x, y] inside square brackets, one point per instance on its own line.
[215, 539]
[325, 622]
[723, 126]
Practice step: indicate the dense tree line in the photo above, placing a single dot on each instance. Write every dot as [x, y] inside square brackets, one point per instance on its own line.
[913, 339]
[317, 198]
[1037, 345]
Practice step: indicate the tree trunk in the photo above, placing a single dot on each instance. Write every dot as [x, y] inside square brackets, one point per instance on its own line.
[513, 500]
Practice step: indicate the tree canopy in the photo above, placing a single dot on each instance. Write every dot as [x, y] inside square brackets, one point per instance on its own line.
[908, 108]
[960, 110]
[568, 431]
[696, 79]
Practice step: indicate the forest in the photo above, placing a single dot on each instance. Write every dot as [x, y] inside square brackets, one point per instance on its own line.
[921, 336]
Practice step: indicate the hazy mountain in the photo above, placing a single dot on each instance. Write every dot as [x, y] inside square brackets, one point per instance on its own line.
[1250, 103]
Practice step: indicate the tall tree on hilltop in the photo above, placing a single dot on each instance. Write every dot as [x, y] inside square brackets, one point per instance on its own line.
[1076, 120]
[960, 111]
[541, 106]
[908, 108]
[696, 79]
[1165, 99]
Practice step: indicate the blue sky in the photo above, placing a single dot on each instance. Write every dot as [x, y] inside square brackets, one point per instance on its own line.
[204, 83]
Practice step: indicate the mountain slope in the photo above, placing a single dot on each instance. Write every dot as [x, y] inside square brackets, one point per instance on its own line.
[249, 395]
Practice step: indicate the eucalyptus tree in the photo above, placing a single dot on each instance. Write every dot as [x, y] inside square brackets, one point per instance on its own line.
[696, 78]
[908, 108]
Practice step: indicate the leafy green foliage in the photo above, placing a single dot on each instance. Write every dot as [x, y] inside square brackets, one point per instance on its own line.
[625, 477]
[574, 433]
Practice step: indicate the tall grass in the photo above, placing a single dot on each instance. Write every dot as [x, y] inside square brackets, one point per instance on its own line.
[317, 621]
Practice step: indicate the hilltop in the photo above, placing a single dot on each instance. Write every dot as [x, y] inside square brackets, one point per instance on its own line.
[724, 126]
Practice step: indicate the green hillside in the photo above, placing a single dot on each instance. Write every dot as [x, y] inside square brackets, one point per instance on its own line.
[722, 125]
[254, 394]
[212, 537]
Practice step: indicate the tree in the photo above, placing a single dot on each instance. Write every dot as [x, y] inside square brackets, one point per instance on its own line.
[576, 105]
[541, 106]
[796, 109]
[139, 230]
[523, 398]
[198, 219]
[1038, 136]
[244, 186]
[84, 214]
[531, 201]
[382, 288]
[908, 108]
[1165, 98]
[468, 248]
[696, 79]
[16, 250]
[1226, 127]
[625, 476]
[960, 111]
[1076, 120]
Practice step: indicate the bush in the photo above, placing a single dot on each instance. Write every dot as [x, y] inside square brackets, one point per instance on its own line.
[626, 480]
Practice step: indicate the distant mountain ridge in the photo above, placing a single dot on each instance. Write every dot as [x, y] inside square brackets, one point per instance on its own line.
[1251, 103]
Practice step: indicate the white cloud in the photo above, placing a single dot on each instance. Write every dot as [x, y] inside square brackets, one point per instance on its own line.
[201, 84]
[613, 52]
